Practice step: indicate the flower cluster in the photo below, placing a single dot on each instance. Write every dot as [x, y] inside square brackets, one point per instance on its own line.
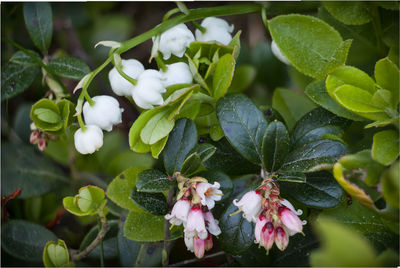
[40, 138]
[193, 209]
[275, 217]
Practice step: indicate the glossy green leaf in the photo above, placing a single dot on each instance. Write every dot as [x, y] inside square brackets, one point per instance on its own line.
[276, 145]
[314, 156]
[386, 147]
[391, 185]
[348, 75]
[223, 75]
[154, 203]
[181, 141]
[138, 125]
[157, 128]
[55, 254]
[351, 13]
[152, 180]
[310, 44]
[355, 99]
[320, 190]
[157, 147]
[243, 124]
[25, 169]
[298, 177]
[39, 23]
[190, 110]
[88, 201]
[387, 76]
[243, 78]
[69, 67]
[22, 58]
[191, 164]
[383, 98]
[283, 101]
[44, 119]
[316, 91]
[120, 188]
[16, 78]
[205, 151]
[224, 181]
[315, 124]
[25, 240]
[46, 115]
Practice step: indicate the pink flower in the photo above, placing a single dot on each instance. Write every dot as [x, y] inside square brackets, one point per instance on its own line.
[195, 224]
[211, 223]
[261, 221]
[250, 204]
[208, 243]
[290, 220]
[34, 137]
[42, 144]
[281, 238]
[179, 212]
[199, 247]
[267, 236]
[209, 193]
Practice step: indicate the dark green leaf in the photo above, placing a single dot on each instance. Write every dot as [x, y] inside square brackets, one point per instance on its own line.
[276, 146]
[317, 92]
[154, 203]
[128, 249]
[205, 151]
[191, 164]
[217, 176]
[181, 141]
[298, 177]
[242, 79]
[227, 160]
[69, 67]
[352, 13]
[16, 78]
[21, 58]
[152, 180]
[223, 75]
[314, 125]
[320, 190]
[23, 168]
[243, 124]
[314, 156]
[39, 23]
[25, 240]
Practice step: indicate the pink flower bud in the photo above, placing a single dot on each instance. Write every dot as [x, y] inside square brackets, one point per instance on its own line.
[250, 204]
[267, 236]
[199, 247]
[179, 212]
[261, 221]
[290, 220]
[42, 144]
[281, 238]
[208, 243]
[34, 137]
[195, 224]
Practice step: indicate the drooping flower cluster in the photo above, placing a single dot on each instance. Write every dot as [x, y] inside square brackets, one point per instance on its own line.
[193, 207]
[275, 217]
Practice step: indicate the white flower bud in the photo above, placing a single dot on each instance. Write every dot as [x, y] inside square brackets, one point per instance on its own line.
[175, 41]
[177, 73]
[104, 113]
[147, 91]
[120, 85]
[88, 141]
[277, 53]
[216, 30]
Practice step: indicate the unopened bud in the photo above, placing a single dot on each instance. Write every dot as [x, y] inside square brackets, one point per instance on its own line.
[42, 144]
[281, 238]
[34, 137]
[208, 243]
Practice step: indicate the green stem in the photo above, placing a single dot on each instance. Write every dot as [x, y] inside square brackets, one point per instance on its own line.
[199, 27]
[264, 17]
[101, 245]
[182, 7]
[170, 13]
[161, 63]
[89, 99]
[81, 124]
[124, 75]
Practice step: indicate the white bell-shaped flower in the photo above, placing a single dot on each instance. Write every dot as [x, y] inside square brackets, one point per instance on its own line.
[216, 30]
[277, 53]
[88, 141]
[104, 113]
[120, 85]
[148, 90]
[174, 41]
[177, 73]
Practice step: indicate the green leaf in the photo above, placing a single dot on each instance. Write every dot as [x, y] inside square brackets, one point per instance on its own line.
[385, 147]
[314, 156]
[391, 185]
[138, 125]
[39, 23]
[237, 233]
[235, 43]
[88, 201]
[310, 44]
[152, 180]
[196, 75]
[223, 75]
[47, 121]
[205, 151]
[191, 164]
[314, 125]
[227, 160]
[157, 128]
[25, 240]
[69, 67]
[16, 78]
[157, 147]
[55, 254]
[224, 181]
[47, 115]
[340, 240]
[128, 249]
[22, 58]
[242, 79]
[317, 93]
[355, 99]
[351, 13]
[34, 174]
[149, 255]
[298, 177]
[276, 146]
[190, 110]
[320, 190]
[180, 142]
[243, 124]
[119, 190]
[387, 75]
[154, 203]
[283, 101]
[383, 98]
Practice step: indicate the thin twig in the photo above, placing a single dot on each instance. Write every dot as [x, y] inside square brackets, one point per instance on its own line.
[167, 243]
[220, 253]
